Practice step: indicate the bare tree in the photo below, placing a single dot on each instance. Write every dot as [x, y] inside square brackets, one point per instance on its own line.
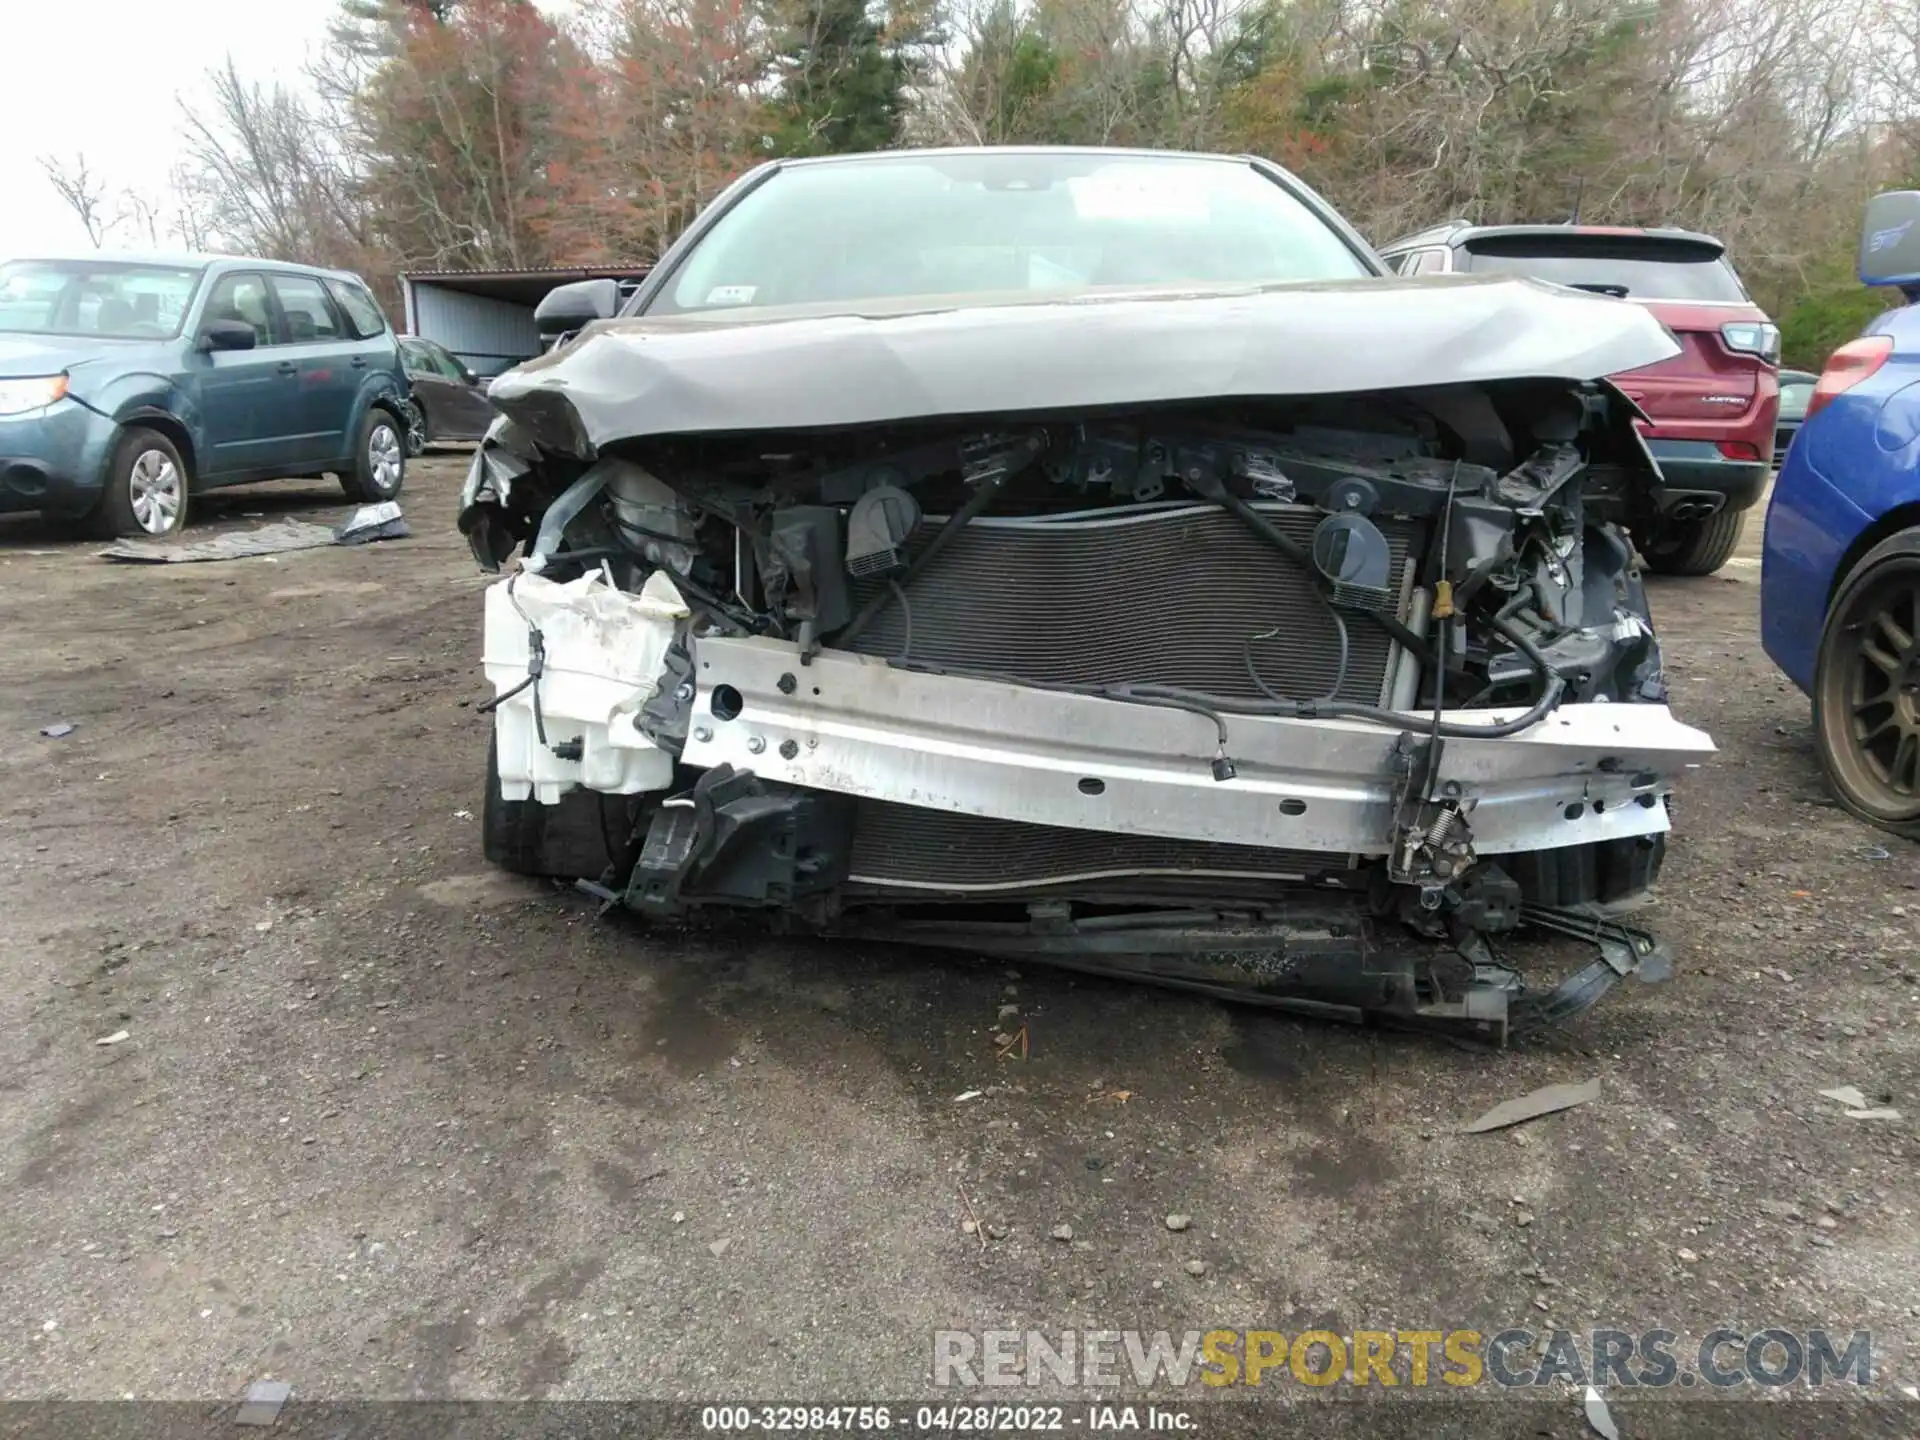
[84, 192]
[141, 212]
[261, 174]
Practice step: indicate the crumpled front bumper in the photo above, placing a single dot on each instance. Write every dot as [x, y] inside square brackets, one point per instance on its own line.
[856, 725]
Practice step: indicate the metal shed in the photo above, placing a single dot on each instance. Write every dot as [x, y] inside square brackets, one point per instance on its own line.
[486, 316]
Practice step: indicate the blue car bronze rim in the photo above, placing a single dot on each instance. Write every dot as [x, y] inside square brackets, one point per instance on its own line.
[1872, 704]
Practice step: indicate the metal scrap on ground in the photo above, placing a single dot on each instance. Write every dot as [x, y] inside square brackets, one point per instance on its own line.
[1858, 1106]
[1544, 1101]
[373, 522]
[370, 522]
[274, 539]
[1598, 1416]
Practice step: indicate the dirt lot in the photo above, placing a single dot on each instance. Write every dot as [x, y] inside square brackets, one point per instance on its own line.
[387, 1125]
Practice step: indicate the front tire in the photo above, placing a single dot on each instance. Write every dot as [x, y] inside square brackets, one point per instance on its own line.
[379, 459]
[416, 429]
[1695, 547]
[1866, 688]
[146, 490]
[579, 838]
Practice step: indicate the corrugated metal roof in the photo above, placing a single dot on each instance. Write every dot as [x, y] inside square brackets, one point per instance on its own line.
[581, 272]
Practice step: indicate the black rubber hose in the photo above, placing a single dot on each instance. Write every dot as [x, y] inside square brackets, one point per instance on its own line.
[1553, 688]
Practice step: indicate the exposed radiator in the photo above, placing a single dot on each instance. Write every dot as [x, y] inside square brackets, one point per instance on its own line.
[905, 847]
[1168, 595]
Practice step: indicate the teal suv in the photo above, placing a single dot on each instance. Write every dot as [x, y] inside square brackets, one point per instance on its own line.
[128, 386]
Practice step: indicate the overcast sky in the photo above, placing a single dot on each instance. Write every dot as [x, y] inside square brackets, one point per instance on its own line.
[105, 77]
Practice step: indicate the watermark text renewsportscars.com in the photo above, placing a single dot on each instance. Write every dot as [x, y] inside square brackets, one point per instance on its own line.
[1517, 1358]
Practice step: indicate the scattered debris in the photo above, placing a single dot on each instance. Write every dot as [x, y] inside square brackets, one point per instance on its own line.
[719, 1247]
[274, 539]
[58, 732]
[1858, 1106]
[1598, 1416]
[1196, 1268]
[972, 1218]
[1122, 1096]
[49, 1327]
[1687, 1257]
[679, 1217]
[1062, 1233]
[1007, 1012]
[1547, 1100]
[263, 926]
[463, 814]
[1177, 1222]
[1876, 852]
[1009, 1044]
[113, 1039]
[966, 1095]
[263, 1402]
[967, 1227]
[373, 522]
[996, 1232]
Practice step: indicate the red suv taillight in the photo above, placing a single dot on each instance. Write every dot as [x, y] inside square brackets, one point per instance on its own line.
[1847, 367]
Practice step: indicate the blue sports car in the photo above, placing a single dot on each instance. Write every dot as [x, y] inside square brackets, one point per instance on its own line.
[1840, 594]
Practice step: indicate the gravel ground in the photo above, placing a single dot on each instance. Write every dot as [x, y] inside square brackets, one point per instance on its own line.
[388, 1125]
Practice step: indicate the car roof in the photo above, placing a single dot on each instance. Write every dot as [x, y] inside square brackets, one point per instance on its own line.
[1462, 232]
[1130, 152]
[188, 260]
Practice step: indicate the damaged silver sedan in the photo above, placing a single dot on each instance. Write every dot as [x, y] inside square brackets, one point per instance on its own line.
[1092, 557]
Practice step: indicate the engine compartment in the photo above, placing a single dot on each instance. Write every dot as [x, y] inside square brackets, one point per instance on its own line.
[1362, 644]
[1503, 503]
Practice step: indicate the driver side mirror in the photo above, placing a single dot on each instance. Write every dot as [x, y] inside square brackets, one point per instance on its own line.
[568, 307]
[226, 335]
[1890, 239]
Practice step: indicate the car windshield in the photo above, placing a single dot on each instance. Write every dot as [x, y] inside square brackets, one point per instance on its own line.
[1642, 268]
[113, 300]
[1002, 223]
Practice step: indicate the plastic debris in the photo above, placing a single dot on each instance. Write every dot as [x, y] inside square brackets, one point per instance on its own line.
[373, 522]
[263, 1402]
[113, 1039]
[1876, 852]
[1858, 1106]
[1598, 1416]
[1547, 1100]
[58, 732]
[968, 1095]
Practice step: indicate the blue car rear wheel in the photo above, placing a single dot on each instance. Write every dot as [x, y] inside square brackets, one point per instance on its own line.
[1866, 693]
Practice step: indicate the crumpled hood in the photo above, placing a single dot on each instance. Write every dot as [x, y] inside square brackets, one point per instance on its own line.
[783, 370]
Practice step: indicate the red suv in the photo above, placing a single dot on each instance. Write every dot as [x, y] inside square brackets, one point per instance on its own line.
[1710, 409]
